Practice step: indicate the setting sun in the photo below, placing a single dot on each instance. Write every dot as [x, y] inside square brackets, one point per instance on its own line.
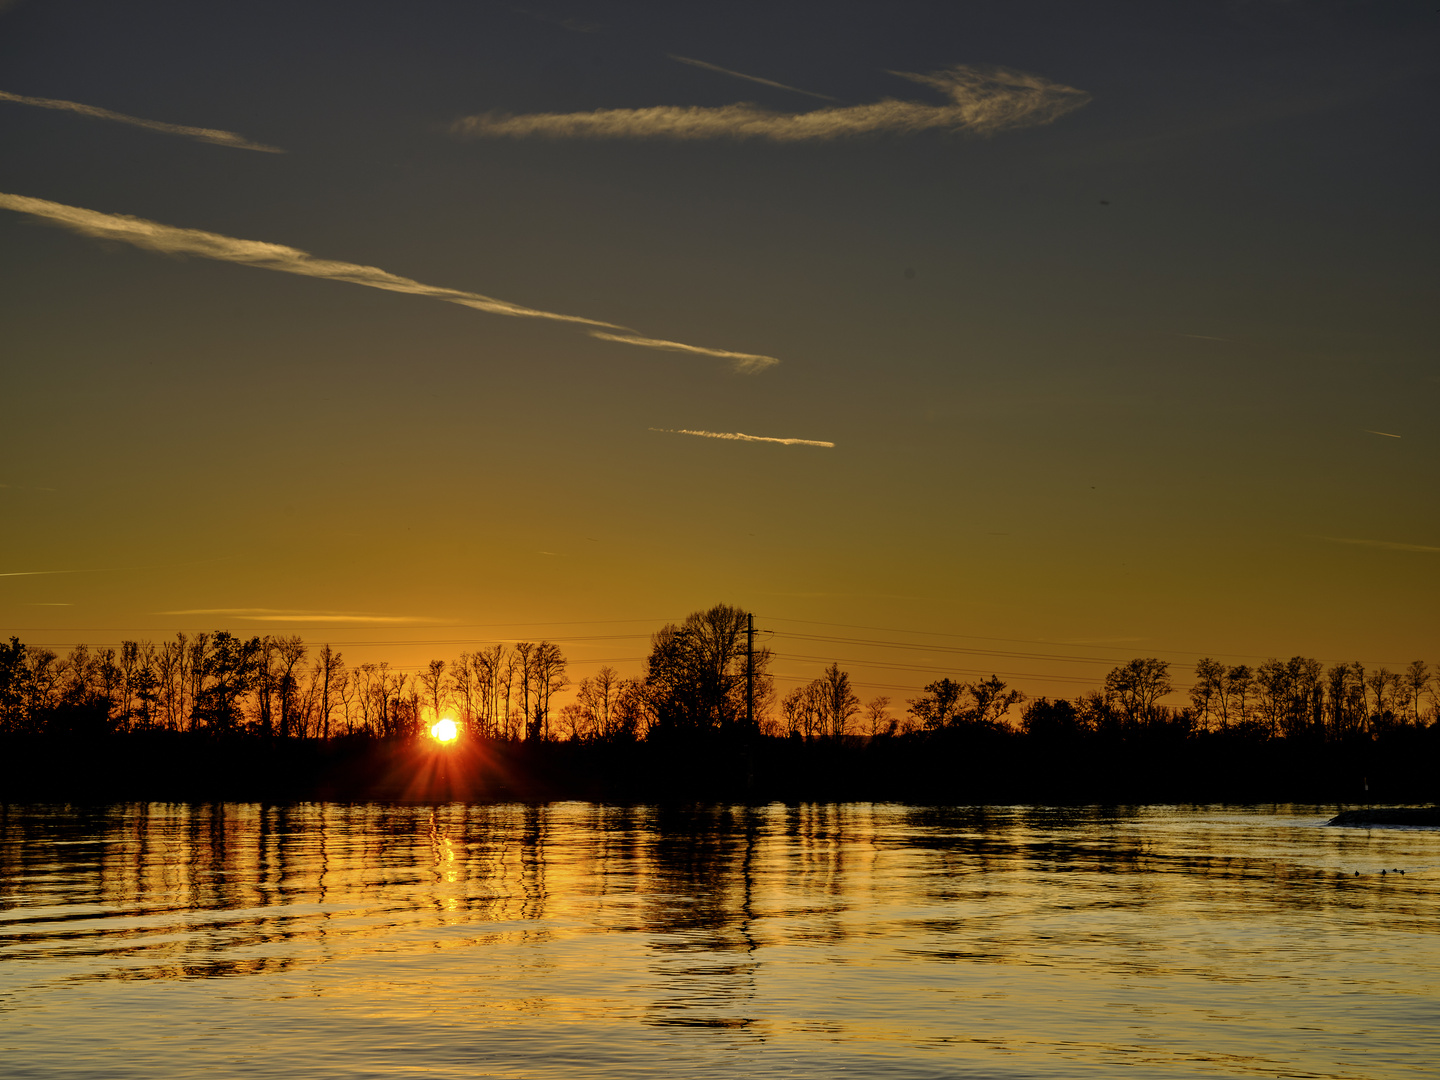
[884, 484]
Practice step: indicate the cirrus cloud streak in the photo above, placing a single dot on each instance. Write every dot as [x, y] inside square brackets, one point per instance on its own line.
[1384, 545]
[283, 615]
[749, 78]
[982, 100]
[209, 135]
[173, 240]
[746, 362]
[740, 436]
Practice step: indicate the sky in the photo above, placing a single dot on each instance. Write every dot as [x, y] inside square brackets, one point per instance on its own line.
[946, 338]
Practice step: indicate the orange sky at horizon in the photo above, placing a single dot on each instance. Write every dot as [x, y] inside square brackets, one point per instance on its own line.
[1019, 340]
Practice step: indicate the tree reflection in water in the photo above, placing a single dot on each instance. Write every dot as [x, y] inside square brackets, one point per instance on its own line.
[816, 938]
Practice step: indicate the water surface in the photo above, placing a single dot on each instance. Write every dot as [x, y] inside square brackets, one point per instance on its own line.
[790, 941]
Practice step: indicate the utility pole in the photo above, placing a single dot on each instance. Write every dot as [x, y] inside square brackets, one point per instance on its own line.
[749, 671]
[749, 737]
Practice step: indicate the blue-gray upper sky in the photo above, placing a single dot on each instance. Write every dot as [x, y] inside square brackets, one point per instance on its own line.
[1105, 326]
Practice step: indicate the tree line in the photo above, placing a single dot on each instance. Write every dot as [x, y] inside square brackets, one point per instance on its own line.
[277, 686]
[1299, 698]
[220, 684]
[701, 676]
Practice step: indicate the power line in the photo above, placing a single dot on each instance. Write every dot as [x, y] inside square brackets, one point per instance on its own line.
[1018, 641]
[336, 626]
[1121, 652]
[400, 644]
[938, 670]
[924, 648]
[568, 639]
[953, 649]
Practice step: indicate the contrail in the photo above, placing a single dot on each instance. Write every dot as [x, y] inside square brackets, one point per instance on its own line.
[747, 362]
[41, 573]
[982, 100]
[1387, 434]
[1387, 545]
[749, 78]
[281, 615]
[115, 569]
[209, 135]
[1209, 337]
[740, 436]
[172, 240]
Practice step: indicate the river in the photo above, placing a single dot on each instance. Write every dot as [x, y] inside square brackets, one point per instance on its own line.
[813, 940]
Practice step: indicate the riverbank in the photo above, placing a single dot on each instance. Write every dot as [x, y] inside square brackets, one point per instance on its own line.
[988, 768]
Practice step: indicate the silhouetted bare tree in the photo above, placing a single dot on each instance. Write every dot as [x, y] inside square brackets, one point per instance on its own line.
[1385, 692]
[490, 672]
[12, 687]
[1239, 685]
[547, 677]
[878, 721]
[436, 686]
[328, 679]
[524, 677]
[290, 656]
[595, 701]
[803, 710]
[630, 714]
[1414, 679]
[838, 702]
[1289, 696]
[170, 670]
[1137, 686]
[1208, 692]
[1345, 699]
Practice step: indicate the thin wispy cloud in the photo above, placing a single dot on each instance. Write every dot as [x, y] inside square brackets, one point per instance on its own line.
[982, 101]
[46, 573]
[1386, 545]
[565, 22]
[284, 615]
[846, 595]
[749, 78]
[114, 569]
[746, 362]
[1387, 434]
[208, 135]
[1210, 337]
[740, 436]
[172, 240]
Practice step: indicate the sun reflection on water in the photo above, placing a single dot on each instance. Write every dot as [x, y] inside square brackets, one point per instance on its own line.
[879, 940]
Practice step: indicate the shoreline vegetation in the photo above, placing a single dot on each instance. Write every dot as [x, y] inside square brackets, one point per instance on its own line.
[217, 717]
